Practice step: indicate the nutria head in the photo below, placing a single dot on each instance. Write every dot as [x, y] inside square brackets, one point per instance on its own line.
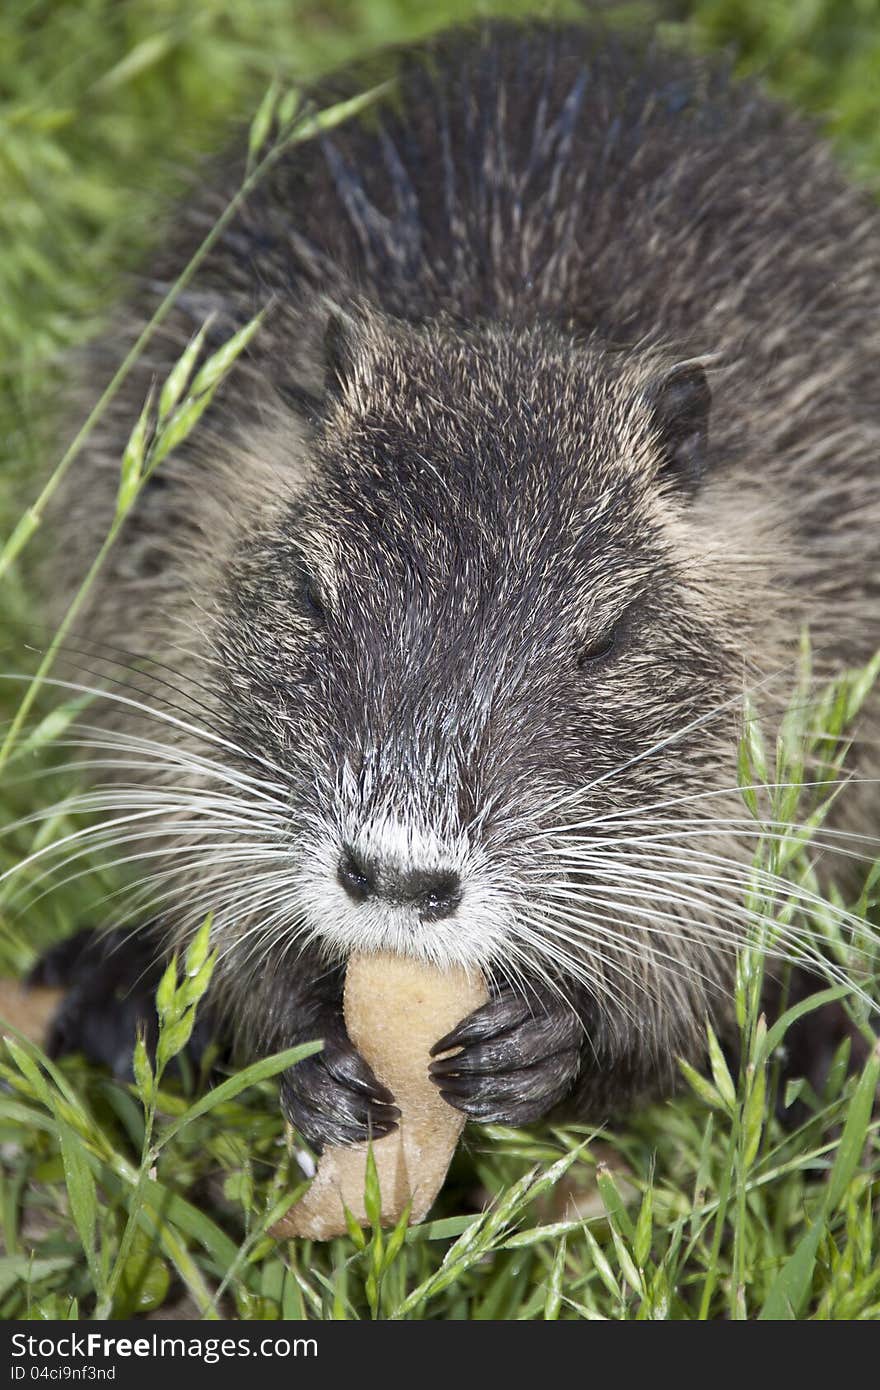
[484, 639]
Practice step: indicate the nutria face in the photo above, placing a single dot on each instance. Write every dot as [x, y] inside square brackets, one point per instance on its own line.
[473, 645]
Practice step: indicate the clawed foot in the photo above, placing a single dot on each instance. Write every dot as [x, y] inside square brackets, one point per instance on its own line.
[519, 1057]
[333, 1097]
[514, 1059]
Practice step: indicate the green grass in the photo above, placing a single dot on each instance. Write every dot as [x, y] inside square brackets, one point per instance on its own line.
[120, 1200]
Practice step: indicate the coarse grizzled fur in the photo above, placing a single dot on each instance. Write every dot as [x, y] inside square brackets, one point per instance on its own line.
[563, 423]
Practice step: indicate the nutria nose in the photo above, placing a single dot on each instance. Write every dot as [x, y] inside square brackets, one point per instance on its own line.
[435, 892]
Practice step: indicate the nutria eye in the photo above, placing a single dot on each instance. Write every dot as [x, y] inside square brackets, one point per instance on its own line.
[602, 647]
[313, 600]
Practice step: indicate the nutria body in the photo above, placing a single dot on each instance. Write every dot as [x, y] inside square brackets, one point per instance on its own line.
[563, 423]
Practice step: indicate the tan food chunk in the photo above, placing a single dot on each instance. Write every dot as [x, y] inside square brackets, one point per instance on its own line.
[395, 1011]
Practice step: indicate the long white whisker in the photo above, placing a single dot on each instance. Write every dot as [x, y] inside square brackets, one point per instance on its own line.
[640, 814]
[736, 875]
[207, 853]
[709, 932]
[183, 725]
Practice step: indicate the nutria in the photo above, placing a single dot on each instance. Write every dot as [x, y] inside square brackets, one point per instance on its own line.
[561, 426]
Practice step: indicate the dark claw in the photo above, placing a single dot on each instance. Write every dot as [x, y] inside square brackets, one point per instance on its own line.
[485, 1022]
[519, 1058]
[333, 1097]
[550, 1076]
[489, 1110]
[515, 1047]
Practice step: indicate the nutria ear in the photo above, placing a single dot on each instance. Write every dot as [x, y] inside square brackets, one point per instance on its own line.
[679, 402]
[333, 349]
[339, 352]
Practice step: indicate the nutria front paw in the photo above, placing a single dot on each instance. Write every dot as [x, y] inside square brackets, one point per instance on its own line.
[333, 1097]
[519, 1058]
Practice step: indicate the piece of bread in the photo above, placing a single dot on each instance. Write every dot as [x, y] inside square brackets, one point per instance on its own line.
[395, 1011]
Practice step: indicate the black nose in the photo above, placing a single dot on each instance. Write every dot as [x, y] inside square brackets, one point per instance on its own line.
[435, 892]
[357, 881]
